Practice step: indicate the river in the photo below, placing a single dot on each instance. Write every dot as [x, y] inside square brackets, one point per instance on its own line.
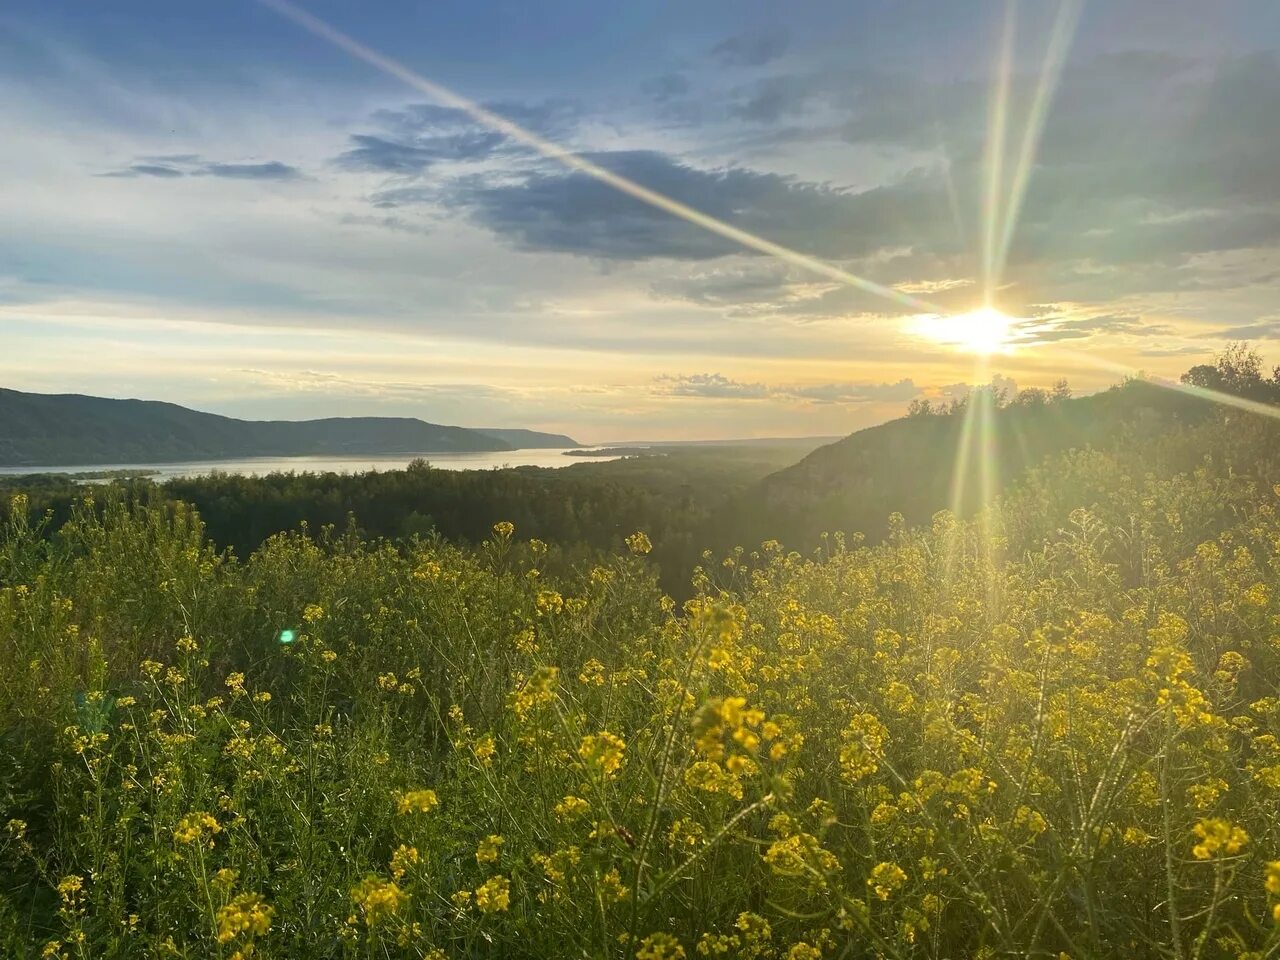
[488, 460]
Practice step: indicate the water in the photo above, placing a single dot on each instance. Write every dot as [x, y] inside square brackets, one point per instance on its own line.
[254, 466]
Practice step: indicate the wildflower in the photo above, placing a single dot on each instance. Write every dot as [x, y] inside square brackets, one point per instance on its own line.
[313, 613]
[248, 915]
[660, 946]
[187, 644]
[378, 899]
[611, 888]
[570, 808]
[416, 801]
[504, 529]
[328, 656]
[494, 895]
[801, 855]
[1218, 837]
[885, 879]
[603, 751]
[403, 858]
[863, 748]
[638, 543]
[225, 878]
[69, 888]
[487, 851]
[16, 828]
[485, 749]
[804, 951]
[235, 683]
[1272, 885]
[592, 673]
[195, 828]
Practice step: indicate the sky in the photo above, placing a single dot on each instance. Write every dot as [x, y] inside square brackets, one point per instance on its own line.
[214, 205]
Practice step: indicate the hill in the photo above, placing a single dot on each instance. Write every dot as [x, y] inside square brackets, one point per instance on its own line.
[918, 465]
[53, 430]
[530, 439]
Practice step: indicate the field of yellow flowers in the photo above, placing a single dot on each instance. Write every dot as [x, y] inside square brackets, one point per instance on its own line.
[971, 741]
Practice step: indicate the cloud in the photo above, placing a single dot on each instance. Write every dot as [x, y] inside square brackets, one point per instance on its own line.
[752, 48]
[416, 137]
[381, 155]
[718, 387]
[773, 98]
[145, 170]
[572, 212]
[669, 86]
[181, 165]
[272, 170]
[1268, 328]
[1052, 329]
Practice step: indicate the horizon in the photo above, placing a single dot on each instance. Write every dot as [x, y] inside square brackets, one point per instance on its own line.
[233, 212]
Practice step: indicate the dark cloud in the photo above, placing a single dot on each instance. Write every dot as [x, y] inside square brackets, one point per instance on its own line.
[1267, 328]
[752, 48]
[189, 164]
[572, 212]
[717, 387]
[418, 136]
[145, 170]
[272, 170]
[1053, 329]
[382, 155]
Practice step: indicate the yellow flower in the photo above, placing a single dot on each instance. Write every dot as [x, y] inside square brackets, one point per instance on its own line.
[248, 916]
[69, 887]
[485, 749]
[570, 808]
[494, 895]
[313, 613]
[504, 528]
[603, 751]
[1218, 837]
[378, 899]
[639, 544]
[195, 827]
[611, 888]
[403, 858]
[660, 946]
[885, 879]
[416, 801]
[487, 852]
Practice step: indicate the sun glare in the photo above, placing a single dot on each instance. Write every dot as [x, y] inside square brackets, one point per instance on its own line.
[983, 331]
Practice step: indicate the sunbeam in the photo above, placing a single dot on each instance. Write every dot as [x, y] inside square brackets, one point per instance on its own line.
[1055, 57]
[997, 123]
[576, 162]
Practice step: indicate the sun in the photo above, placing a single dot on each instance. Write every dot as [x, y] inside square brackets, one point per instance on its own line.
[982, 331]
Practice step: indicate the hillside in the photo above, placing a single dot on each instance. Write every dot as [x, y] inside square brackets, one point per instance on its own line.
[520, 439]
[53, 430]
[915, 465]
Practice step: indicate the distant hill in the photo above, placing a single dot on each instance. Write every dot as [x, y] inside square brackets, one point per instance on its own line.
[64, 429]
[530, 439]
[909, 466]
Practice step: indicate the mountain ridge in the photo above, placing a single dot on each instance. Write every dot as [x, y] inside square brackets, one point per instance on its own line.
[65, 429]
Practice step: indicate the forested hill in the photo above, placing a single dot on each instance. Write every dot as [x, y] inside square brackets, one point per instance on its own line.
[530, 439]
[41, 429]
[915, 465]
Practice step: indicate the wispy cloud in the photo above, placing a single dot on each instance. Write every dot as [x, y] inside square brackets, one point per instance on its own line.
[718, 387]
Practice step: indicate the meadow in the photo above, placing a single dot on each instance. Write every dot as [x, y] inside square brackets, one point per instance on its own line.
[1049, 729]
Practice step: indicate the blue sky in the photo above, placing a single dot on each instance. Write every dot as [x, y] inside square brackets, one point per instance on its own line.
[209, 204]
